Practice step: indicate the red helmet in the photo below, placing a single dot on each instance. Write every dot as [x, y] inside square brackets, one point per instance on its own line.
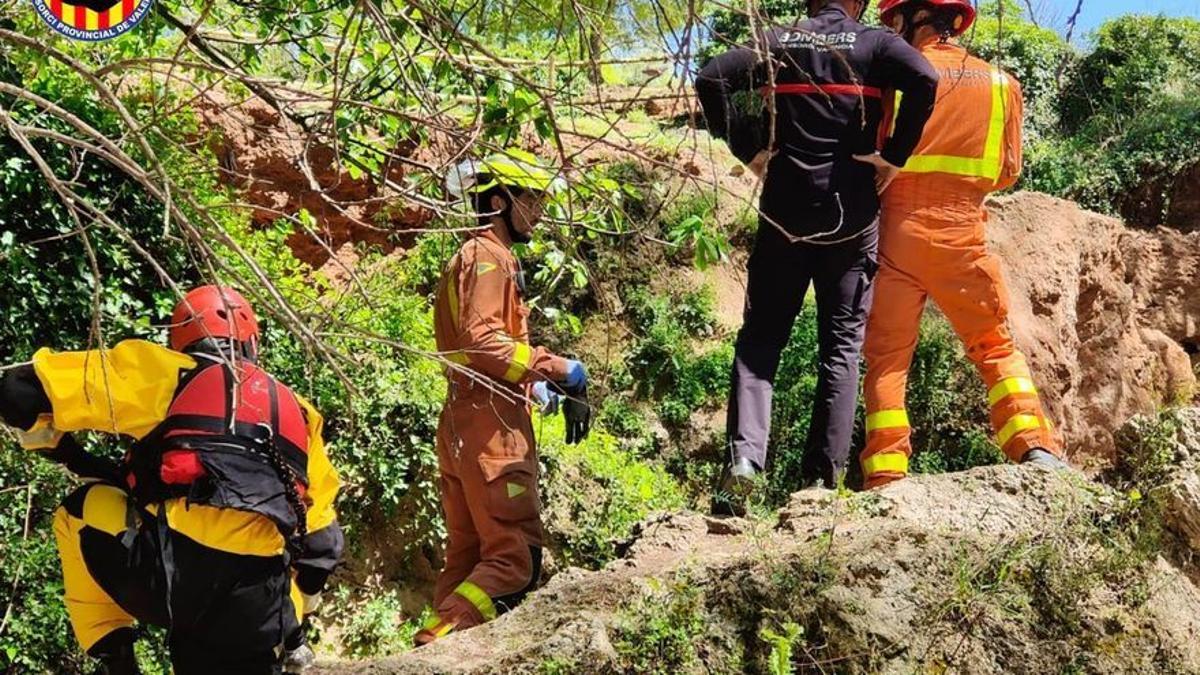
[212, 312]
[964, 9]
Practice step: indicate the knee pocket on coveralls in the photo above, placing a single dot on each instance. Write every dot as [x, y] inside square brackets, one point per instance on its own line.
[510, 474]
[987, 288]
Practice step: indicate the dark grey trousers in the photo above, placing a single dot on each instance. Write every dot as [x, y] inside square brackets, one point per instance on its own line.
[779, 274]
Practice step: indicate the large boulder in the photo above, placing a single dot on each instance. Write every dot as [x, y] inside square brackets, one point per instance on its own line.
[1108, 316]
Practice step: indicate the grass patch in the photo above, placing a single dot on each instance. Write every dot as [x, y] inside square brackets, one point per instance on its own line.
[595, 492]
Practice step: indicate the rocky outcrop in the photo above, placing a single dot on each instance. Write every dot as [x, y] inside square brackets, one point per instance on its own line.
[1108, 316]
[999, 569]
[277, 169]
[1164, 450]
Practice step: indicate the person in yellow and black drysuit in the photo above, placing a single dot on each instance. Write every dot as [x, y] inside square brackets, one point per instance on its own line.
[219, 523]
[932, 246]
[486, 448]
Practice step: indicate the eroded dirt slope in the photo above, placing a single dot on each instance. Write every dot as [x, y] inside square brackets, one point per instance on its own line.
[1109, 316]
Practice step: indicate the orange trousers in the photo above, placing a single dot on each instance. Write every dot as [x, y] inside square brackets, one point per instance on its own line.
[941, 254]
[489, 466]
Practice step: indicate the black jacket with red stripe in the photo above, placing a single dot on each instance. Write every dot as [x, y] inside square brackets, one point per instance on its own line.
[827, 74]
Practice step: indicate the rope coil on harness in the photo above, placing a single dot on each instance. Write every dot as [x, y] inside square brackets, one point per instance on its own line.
[291, 493]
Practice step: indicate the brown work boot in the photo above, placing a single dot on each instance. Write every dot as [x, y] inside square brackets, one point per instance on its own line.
[434, 629]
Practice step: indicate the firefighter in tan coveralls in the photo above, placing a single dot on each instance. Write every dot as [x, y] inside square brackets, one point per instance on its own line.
[485, 441]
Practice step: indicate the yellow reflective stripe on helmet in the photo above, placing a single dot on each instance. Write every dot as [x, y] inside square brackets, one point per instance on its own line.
[989, 165]
[1009, 386]
[887, 419]
[475, 595]
[521, 358]
[885, 462]
[1015, 425]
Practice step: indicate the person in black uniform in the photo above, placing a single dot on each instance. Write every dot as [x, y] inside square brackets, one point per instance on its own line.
[813, 140]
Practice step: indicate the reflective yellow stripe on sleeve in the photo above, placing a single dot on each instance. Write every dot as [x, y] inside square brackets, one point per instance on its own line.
[1009, 386]
[452, 300]
[885, 462]
[1015, 425]
[989, 165]
[887, 419]
[477, 597]
[521, 357]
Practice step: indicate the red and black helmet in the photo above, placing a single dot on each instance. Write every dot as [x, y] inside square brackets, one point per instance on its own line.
[964, 10]
[213, 312]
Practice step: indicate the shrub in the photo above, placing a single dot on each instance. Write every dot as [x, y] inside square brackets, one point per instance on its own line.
[1129, 120]
[594, 493]
[373, 628]
[666, 362]
[946, 406]
[663, 631]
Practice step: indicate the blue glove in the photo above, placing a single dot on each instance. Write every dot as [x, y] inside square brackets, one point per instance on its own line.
[548, 399]
[576, 377]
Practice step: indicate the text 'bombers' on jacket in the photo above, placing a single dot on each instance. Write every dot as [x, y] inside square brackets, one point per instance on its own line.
[823, 78]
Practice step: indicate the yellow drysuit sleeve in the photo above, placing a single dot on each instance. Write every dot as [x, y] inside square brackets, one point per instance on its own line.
[124, 390]
[323, 480]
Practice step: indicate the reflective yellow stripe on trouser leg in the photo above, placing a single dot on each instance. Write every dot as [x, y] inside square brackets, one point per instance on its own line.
[885, 462]
[1009, 386]
[887, 419]
[93, 612]
[477, 597]
[1015, 425]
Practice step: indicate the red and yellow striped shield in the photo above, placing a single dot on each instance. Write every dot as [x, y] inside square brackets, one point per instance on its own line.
[92, 19]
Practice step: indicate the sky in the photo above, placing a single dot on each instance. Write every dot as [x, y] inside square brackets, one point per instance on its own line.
[1056, 13]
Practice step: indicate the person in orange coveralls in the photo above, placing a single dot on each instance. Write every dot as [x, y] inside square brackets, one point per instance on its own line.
[932, 247]
[485, 437]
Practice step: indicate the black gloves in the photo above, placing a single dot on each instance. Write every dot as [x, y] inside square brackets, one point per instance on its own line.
[22, 398]
[577, 415]
[84, 464]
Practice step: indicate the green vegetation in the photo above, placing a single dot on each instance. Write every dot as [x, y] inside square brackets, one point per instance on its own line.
[595, 493]
[779, 661]
[766, 617]
[670, 362]
[665, 630]
[1047, 581]
[1113, 127]
[1149, 450]
[374, 627]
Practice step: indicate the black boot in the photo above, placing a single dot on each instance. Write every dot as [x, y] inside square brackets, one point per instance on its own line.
[737, 484]
[115, 653]
[1043, 457]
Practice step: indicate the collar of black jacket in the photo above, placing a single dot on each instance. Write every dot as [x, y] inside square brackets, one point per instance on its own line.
[833, 6]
